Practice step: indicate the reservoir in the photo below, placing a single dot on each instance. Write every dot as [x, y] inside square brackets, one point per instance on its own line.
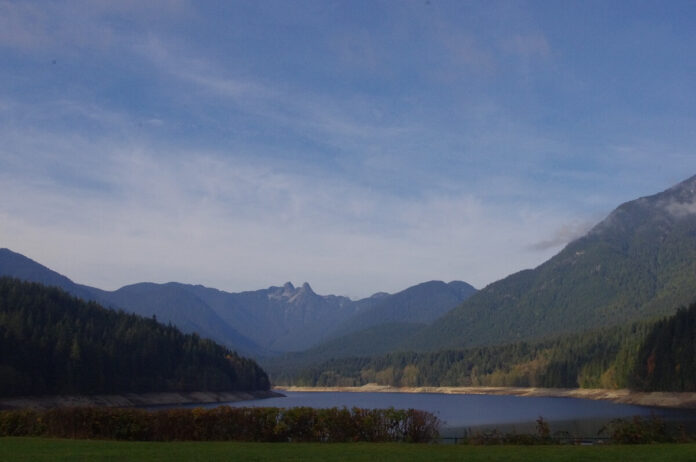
[507, 413]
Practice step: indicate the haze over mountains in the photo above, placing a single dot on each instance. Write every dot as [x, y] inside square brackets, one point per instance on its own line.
[261, 322]
[637, 264]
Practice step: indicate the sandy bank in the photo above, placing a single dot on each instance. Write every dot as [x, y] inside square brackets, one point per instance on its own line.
[133, 399]
[659, 399]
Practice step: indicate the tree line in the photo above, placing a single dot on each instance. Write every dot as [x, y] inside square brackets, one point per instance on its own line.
[644, 356]
[53, 343]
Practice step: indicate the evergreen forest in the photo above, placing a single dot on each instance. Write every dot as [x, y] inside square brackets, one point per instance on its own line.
[643, 356]
[53, 343]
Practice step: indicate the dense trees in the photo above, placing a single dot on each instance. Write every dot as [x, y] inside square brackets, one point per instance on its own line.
[53, 343]
[594, 359]
[667, 358]
[644, 356]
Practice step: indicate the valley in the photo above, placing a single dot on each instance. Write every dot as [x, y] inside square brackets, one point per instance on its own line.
[593, 316]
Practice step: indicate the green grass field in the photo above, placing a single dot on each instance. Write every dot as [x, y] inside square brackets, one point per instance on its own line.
[23, 449]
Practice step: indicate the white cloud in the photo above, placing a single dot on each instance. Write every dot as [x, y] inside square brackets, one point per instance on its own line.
[341, 122]
[681, 209]
[401, 180]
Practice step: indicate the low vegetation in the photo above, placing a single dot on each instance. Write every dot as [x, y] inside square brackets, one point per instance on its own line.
[53, 450]
[225, 423]
[618, 431]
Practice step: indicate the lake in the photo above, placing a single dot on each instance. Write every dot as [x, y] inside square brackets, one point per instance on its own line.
[507, 413]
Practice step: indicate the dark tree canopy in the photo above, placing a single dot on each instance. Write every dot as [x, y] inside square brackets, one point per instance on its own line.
[667, 358]
[657, 356]
[53, 343]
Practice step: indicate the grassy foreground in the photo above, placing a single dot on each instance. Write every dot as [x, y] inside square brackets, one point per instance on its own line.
[23, 449]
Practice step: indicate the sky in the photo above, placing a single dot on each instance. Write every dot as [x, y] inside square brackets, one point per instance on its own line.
[360, 146]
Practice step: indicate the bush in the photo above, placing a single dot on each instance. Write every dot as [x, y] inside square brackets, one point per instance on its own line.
[225, 423]
[639, 431]
[494, 437]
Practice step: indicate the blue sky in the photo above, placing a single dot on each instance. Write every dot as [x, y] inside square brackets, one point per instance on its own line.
[359, 146]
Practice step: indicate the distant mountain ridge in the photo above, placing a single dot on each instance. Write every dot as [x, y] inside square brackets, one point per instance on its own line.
[639, 263]
[262, 322]
[422, 303]
[163, 301]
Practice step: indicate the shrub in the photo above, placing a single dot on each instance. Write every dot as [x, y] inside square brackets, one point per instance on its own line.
[494, 437]
[225, 423]
[639, 431]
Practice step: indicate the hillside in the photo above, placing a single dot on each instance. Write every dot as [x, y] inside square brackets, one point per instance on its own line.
[285, 318]
[53, 343]
[636, 264]
[598, 359]
[263, 322]
[422, 303]
[164, 301]
[173, 303]
[646, 356]
[371, 341]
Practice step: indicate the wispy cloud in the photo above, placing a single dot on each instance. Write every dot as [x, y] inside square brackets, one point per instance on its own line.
[563, 235]
[245, 144]
[236, 224]
[281, 103]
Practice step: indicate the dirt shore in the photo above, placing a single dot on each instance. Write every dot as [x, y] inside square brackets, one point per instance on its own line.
[658, 399]
[133, 399]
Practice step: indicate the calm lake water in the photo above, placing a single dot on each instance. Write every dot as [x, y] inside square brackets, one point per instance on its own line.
[466, 411]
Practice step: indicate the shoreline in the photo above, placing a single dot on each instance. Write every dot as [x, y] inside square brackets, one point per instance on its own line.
[134, 399]
[678, 400]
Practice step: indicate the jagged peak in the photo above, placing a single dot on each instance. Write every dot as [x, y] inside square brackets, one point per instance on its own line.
[307, 288]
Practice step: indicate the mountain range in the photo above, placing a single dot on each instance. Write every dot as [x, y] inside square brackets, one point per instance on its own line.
[639, 263]
[262, 322]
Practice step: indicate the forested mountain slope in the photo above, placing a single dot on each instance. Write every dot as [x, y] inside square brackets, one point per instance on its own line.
[596, 359]
[263, 322]
[639, 263]
[53, 343]
[422, 303]
[163, 301]
[372, 341]
[173, 303]
[652, 356]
